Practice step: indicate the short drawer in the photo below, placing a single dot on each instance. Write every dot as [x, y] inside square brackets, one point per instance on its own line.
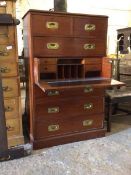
[48, 68]
[8, 69]
[54, 47]
[47, 61]
[86, 91]
[7, 34]
[7, 7]
[90, 27]
[48, 25]
[12, 106]
[8, 52]
[10, 87]
[93, 67]
[81, 123]
[92, 60]
[58, 109]
[14, 126]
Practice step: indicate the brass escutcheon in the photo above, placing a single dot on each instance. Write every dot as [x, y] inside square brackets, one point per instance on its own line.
[87, 122]
[89, 46]
[88, 89]
[53, 110]
[8, 109]
[88, 106]
[53, 93]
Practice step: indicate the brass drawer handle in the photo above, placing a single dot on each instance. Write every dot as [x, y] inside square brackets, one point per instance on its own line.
[10, 128]
[90, 27]
[87, 122]
[53, 93]
[53, 110]
[88, 89]
[4, 53]
[7, 89]
[52, 128]
[4, 70]
[8, 109]
[88, 106]
[89, 46]
[52, 46]
[52, 25]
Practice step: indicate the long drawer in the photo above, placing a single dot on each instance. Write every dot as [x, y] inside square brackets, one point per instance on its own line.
[59, 109]
[7, 52]
[55, 93]
[56, 47]
[12, 107]
[7, 7]
[45, 129]
[7, 34]
[8, 68]
[10, 87]
[14, 127]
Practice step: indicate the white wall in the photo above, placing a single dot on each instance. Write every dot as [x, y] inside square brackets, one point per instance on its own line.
[118, 11]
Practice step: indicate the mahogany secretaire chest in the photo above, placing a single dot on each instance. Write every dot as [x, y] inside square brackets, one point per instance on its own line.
[65, 89]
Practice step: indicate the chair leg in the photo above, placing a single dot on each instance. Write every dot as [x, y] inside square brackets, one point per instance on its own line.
[109, 114]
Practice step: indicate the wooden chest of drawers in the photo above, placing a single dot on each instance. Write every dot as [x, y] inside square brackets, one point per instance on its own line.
[10, 74]
[65, 93]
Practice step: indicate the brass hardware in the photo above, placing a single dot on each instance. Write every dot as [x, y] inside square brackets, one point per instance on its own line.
[6, 88]
[87, 122]
[53, 93]
[4, 53]
[10, 128]
[53, 128]
[52, 25]
[53, 110]
[90, 27]
[8, 109]
[4, 70]
[52, 45]
[88, 106]
[89, 46]
[88, 89]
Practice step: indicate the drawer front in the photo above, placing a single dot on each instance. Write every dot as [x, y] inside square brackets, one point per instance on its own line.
[11, 106]
[7, 7]
[48, 68]
[93, 67]
[46, 61]
[7, 52]
[81, 123]
[13, 126]
[58, 109]
[51, 25]
[10, 87]
[56, 47]
[8, 69]
[7, 34]
[92, 61]
[90, 27]
[86, 91]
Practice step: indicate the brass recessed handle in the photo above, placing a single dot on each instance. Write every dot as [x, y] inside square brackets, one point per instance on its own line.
[90, 27]
[88, 89]
[10, 128]
[4, 70]
[88, 106]
[52, 25]
[52, 128]
[53, 110]
[89, 46]
[52, 46]
[4, 53]
[53, 93]
[87, 122]
[6, 88]
[8, 109]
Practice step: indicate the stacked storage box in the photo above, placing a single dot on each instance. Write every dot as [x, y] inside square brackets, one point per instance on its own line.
[10, 76]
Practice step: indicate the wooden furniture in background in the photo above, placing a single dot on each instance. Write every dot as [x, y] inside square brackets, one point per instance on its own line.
[9, 73]
[66, 76]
